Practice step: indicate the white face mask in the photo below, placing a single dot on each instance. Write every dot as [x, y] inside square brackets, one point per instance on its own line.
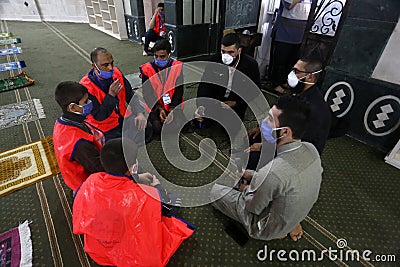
[293, 80]
[227, 59]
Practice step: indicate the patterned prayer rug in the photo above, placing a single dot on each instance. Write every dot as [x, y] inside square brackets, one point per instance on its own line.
[18, 113]
[15, 82]
[16, 246]
[27, 164]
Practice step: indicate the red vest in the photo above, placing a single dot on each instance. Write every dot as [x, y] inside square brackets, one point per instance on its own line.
[122, 223]
[161, 87]
[65, 138]
[158, 27]
[113, 120]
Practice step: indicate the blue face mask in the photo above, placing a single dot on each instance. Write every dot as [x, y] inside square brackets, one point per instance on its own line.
[105, 74]
[86, 109]
[161, 62]
[267, 130]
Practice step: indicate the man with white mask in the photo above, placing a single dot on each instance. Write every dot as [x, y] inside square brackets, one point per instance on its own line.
[225, 79]
[302, 82]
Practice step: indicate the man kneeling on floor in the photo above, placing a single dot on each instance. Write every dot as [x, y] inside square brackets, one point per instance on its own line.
[123, 223]
[280, 194]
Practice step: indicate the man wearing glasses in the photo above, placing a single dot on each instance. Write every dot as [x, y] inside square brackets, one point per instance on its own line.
[301, 83]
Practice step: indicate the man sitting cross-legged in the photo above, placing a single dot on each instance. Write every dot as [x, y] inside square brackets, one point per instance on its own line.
[280, 194]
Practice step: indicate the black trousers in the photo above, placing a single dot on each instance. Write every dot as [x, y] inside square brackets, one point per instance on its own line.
[282, 59]
[150, 36]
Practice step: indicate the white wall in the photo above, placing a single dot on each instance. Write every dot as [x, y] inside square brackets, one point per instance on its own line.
[48, 10]
[388, 65]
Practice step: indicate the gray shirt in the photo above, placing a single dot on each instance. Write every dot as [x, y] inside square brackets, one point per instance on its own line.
[282, 193]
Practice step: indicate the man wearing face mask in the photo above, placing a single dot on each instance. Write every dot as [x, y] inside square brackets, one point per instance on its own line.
[110, 92]
[157, 29]
[162, 81]
[302, 82]
[233, 60]
[77, 144]
[281, 194]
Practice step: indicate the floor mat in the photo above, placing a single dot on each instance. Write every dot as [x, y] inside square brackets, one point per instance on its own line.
[27, 164]
[19, 113]
[16, 246]
[15, 82]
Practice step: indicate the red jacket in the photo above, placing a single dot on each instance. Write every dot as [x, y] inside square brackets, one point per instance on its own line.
[122, 222]
[113, 120]
[158, 27]
[162, 87]
[65, 138]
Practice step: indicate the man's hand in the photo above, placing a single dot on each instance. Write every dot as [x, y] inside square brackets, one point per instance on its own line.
[140, 122]
[228, 104]
[296, 233]
[247, 175]
[145, 178]
[254, 132]
[158, 9]
[253, 147]
[242, 187]
[115, 88]
[170, 118]
[155, 181]
[163, 115]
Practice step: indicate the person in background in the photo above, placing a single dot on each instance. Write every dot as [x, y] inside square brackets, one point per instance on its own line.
[287, 36]
[77, 144]
[157, 30]
[123, 223]
[111, 95]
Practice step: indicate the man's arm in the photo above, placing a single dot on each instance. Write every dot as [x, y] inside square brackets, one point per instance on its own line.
[132, 99]
[103, 111]
[178, 94]
[152, 23]
[261, 191]
[88, 155]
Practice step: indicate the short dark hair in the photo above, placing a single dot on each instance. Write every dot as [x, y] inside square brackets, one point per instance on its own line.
[162, 44]
[231, 39]
[295, 114]
[95, 52]
[117, 155]
[69, 92]
[312, 65]
[160, 4]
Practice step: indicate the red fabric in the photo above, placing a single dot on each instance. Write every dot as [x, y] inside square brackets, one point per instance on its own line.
[112, 121]
[65, 138]
[158, 86]
[122, 223]
[157, 25]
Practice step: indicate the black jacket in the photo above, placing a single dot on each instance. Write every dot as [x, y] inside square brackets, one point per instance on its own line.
[219, 75]
[320, 118]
